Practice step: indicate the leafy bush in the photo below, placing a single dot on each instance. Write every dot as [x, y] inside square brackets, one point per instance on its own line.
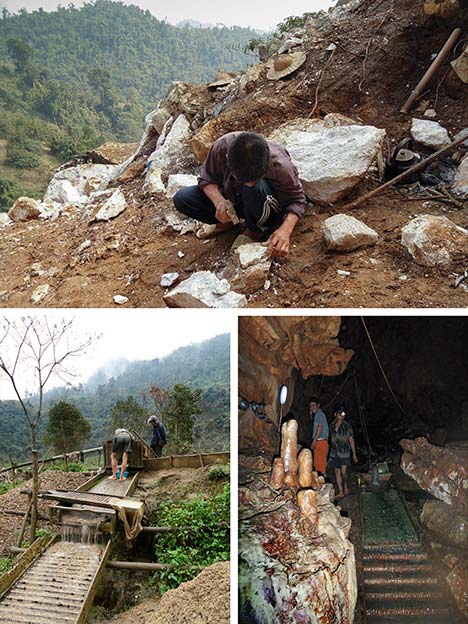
[204, 543]
[20, 154]
[219, 472]
[72, 467]
[6, 563]
[9, 192]
[6, 487]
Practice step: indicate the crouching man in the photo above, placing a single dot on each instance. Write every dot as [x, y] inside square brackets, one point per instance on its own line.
[260, 180]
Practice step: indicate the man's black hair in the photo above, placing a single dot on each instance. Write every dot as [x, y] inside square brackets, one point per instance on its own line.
[248, 157]
[339, 407]
[314, 399]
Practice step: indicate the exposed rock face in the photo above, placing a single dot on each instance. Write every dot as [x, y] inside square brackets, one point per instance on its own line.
[25, 209]
[435, 240]
[437, 470]
[345, 233]
[441, 8]
[447, 526]
[203, 140]
[181, 180]
[331, 159]
[460, 182]
[170, 147]
[75, 184]
[269, 349]
[295, 562]
[429, 133]
[204, 290]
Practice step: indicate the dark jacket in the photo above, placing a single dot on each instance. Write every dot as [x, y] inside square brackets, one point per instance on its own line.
[159, 436]
[281, 174]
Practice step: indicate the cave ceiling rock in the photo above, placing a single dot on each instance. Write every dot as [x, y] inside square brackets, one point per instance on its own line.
[270, 348]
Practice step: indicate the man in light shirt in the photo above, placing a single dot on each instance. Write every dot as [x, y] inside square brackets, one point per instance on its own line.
[320, 435]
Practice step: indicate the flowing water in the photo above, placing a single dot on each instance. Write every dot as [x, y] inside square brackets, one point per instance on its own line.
[81, 528]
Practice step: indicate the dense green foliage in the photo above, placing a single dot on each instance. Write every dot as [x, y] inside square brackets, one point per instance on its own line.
[204, 543]
[9, 192]
[67, 428]
[205, 366]
[6, 563]
[183, 405]
[75, 77]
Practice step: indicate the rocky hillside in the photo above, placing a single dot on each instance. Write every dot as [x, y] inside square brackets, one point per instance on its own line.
[106, 232]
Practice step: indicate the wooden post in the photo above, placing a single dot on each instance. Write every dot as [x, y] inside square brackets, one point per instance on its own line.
[25, 521]
[435, 65]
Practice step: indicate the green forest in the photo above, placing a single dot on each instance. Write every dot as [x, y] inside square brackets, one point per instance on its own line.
[75, 77]
[203, 366]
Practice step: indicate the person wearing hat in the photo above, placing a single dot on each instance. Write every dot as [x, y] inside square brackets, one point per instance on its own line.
[341, 449]
[159, 435]
[121, 447]
[259, 178]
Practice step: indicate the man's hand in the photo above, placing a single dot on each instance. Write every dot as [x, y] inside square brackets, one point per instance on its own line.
[222, 213]
[278, 243]
[313, 445]
[355, 459]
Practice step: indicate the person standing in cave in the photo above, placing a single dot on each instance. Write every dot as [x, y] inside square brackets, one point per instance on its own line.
[320, 434]
[342, 446]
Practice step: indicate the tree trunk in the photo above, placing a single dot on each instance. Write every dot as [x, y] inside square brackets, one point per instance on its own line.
[35, 486]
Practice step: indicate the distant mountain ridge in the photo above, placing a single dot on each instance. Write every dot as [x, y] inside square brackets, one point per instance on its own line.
[205, 365]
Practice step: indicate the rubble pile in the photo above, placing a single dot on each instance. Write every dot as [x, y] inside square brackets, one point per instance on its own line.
[294, 554]
[324, 90]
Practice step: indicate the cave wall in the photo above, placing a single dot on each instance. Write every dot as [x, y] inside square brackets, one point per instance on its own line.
[270, 350]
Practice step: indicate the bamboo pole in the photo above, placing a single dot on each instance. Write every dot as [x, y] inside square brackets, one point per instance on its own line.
[435, 65]
[422, 164]
[144, 565]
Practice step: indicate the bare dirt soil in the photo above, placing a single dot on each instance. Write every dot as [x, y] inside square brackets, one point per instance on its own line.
[10, 526]
[203, 600]
[383, 49]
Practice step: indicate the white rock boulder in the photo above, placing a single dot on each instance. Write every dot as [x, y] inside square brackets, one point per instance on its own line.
[112, 207]
[75, 184]
[248, 267]
[174, 143]
[331, 159]
[345, 233]
[460, 66]
[25, 209]
[4, 219]
[460, 181]
[179, 181]
[429, 133]
[435, 241]
[40, 293]
[204, 290]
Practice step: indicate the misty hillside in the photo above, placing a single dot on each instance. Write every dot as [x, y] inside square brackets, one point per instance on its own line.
[205, 365]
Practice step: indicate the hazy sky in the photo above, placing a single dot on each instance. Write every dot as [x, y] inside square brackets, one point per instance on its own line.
[131, 334]
[259, 14]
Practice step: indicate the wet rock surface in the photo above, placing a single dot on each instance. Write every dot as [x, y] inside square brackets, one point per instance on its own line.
[439, 471]
[295, 561]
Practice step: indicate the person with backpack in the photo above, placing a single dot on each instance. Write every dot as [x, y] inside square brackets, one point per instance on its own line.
[158, 437]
